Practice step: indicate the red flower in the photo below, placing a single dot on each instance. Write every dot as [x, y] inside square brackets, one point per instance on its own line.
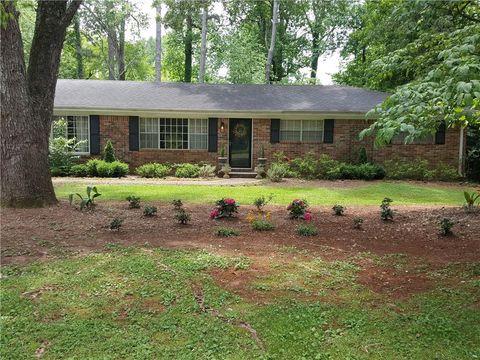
[229, 201]
[308, 217]
[214, 213]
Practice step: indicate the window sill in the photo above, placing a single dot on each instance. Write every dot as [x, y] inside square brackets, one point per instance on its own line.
[155, 149]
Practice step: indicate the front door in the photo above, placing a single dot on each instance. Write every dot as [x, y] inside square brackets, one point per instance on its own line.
[240, 136]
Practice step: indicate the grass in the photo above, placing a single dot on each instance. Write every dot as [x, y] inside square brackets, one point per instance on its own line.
[370, 194]
[138, 303]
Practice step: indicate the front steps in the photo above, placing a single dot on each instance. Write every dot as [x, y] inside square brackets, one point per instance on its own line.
[242, 173]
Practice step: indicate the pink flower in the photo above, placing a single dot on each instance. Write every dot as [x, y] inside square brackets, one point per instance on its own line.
[229, 201]
[214, 213]
[307, 216]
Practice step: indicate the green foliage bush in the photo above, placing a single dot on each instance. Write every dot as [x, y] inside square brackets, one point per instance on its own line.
[263, 225]
[133, 202]
[386, 213]
[109, 152]
[182, 216]
[187, 170]
[306, 230]
[116, 224]
[153, 170]
[111, 169]
[206, 171]
[149, 211]
[79, 170]
[400, 169]
[277, 171]
[446, 225]
[338, 209]
[226, 232]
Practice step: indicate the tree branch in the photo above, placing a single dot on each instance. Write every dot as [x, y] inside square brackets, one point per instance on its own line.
[70, 12]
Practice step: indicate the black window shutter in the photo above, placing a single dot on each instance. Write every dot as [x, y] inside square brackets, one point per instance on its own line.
[94, 134]
[275, 131]
[329, 124]
[133, 137]
[212, 134]
[440, 134]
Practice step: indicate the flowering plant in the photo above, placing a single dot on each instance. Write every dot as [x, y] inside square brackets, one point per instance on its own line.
[298, 209]
[224, 208]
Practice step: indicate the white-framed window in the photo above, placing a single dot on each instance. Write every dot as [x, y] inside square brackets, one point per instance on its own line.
[173, 133]
[399, 139]
[301, 130]
[78, 128]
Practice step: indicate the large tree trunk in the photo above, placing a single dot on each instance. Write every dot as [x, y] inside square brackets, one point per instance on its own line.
[272, 41]
[27, 103]
[188, 49]
[315, 56]
[203, 48]
[158, 44]
[78, 46]
[121, 51]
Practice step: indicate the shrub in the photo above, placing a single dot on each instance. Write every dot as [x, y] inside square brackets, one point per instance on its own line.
[206, 171]
[385, 212]
[358, 222]
[470, 200]
[116, 224]
[224, 208]
[338, 209]
[112, 169]
[149, 211]
[419, 170]
[226, 232]
[262, 225]
[153, 170]
[298, 209]
[182, 216]
[187, 170]
[262, 201]
[446, 225]
[61, 150]
[89, 200]
[277, 171]
[133, 202]
[79, 170]
[327, 168]
[92, 166]
[362, 156]
[306, 167]
[109, 152]
[306, 230]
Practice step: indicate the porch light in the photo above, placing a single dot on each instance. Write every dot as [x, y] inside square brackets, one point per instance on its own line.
[222, 127]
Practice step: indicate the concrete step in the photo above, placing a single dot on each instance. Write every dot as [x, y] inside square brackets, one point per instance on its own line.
[242, 174]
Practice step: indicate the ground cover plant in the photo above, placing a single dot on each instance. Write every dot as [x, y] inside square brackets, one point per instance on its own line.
[116, 224]
[226, 232]
[306, 230]
[150, 211]
[404, 193]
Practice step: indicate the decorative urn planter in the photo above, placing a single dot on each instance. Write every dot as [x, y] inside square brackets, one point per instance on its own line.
[262, 161]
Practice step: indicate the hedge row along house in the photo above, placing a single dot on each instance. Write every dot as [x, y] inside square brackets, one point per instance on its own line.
[177, 122]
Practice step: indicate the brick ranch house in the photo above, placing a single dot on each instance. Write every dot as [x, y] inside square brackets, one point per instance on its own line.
[177, 122]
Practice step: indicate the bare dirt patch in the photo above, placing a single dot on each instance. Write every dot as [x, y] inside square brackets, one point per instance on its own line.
[32, 234]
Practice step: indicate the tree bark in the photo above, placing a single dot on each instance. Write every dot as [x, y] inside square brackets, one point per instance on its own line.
[315, 56]
[272, 41]
[158, 44]
[203, 48]
[78, 47]
[188, 49]
[27, 103]
[121, 51]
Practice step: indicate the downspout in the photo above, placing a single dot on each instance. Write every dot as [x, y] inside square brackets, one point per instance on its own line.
[460, 153]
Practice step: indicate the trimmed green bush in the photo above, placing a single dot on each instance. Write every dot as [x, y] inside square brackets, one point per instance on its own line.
[92, 167]
[277, 171]
[101, 168]
[400, 169]
[79, 170]
[187, 170]
[154, 170]
[109, 152]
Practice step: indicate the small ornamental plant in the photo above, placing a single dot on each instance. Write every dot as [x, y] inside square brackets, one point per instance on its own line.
[262, 201]
[306, 230]
[116, 224]
[133, 202]
[358, 222]
[226, 232]
[224, 208]
[298, 209]
[177, 204]
[338, 209]
[149, 211]
[385, 212]
[446, 225]
[182, 216]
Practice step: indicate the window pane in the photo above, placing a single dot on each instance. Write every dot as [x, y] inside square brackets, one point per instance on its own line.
[78, 129]
[312, 130]
[290, 130]
[149, 133]
[198, 134]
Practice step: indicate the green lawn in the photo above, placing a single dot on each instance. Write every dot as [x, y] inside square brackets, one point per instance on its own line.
[133, 303]
[401, 193]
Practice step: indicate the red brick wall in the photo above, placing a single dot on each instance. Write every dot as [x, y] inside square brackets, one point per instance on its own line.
[345, 145]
